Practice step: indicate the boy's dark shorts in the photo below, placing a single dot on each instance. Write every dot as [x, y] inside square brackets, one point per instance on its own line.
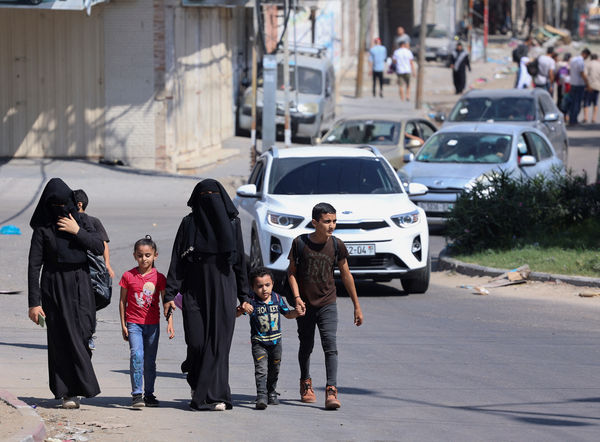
[403, 79]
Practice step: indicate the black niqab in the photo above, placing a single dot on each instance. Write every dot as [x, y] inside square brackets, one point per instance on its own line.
[56, 201]
[212, 213]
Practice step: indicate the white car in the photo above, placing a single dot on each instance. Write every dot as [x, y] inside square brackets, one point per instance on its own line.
[385, 233]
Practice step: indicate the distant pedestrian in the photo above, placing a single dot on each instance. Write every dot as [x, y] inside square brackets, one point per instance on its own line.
[313, 258]
[265, 331]
[590, 98]
[208, 267]
[525, 81]
[377, 57]
[142, 288]
[563, 82]
[546, 67]
[401, 37]
[578, 84]
[522, 50]
[405, 67]
[81, 200]
[62, 297]
[459, 63]
[528, 19]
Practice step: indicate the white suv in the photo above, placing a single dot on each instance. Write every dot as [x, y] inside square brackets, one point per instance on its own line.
[385, 233]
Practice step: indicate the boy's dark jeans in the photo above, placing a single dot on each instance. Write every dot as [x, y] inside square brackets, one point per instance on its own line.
[267, 360]
[326, 319]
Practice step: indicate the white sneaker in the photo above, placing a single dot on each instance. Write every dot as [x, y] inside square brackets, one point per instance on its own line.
[219, 406]
[70, 402]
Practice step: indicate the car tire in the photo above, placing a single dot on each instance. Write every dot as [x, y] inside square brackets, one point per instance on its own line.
[419, 281]
[255, 252]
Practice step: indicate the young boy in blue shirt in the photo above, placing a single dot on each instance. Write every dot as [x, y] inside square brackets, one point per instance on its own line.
[265, 333]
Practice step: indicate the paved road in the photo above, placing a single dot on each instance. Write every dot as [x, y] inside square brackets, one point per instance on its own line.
[441, 366]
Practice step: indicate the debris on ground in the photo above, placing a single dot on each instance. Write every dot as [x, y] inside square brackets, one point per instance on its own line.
[511, 277]
[481, 291]
[9, 229]
[590, 294]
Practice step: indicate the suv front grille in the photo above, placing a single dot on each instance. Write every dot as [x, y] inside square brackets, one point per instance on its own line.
[365, 225]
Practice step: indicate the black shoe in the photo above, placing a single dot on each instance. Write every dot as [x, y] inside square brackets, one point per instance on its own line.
[151, 401]
[137, 401]
[261, 402]
[273, 400]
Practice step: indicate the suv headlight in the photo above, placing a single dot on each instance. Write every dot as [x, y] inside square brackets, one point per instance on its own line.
[406, 219]
[308, 108]
[283, 220]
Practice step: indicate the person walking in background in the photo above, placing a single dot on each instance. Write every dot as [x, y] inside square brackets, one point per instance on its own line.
[377, 57]
[528, 19]
[578, 84]
[562, 81]
[525, 80]
[401, 37]
[62, 297]
[518, 53]
[590, 97]
[142, 288]
[208, 267]
[459, 63]
[546, 67]
[405, 67]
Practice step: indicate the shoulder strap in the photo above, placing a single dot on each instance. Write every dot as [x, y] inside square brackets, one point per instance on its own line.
[336, 249]
[300, 248]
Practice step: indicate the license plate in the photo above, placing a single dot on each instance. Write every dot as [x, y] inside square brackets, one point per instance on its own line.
[361, 249]
[435, 207]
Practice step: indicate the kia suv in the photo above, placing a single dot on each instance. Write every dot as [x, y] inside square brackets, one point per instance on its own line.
[385, 233]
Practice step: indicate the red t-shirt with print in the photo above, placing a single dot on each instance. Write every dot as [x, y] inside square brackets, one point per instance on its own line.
[143, 295]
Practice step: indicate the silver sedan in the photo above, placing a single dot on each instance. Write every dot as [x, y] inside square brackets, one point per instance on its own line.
[456, 157]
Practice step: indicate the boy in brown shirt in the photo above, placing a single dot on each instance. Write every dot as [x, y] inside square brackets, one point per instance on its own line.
[310, 274]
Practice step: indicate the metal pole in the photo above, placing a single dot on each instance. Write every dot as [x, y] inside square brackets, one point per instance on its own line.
[486, 29]
[362, 13]
[421, 71]
[295, 56]
[254, 82]
[286, 84]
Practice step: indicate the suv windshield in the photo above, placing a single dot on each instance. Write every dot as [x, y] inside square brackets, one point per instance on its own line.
[466, 148]
[322, 176]
[310, 81]
[496, 109]
[358, 132]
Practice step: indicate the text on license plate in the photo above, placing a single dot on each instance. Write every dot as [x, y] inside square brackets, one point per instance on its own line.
[435, 207]
[361, 249]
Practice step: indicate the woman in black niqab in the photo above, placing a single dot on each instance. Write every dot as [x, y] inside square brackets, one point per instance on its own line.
[63, 294]
[208, 268]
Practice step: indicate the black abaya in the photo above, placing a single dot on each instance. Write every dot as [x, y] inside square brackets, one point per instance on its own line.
[65, 294]
[210, 284]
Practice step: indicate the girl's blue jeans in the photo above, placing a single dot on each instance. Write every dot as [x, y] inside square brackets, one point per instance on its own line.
[143, 345]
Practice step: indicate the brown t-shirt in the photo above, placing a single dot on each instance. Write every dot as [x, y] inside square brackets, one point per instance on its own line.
[314, 271]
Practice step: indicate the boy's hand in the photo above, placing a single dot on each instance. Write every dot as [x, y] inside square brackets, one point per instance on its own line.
[358, 316]
[34, 312]
[300, 306]
[247, 307]
[125, 333]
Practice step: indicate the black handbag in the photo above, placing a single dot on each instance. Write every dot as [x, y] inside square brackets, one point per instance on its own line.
[101, 281]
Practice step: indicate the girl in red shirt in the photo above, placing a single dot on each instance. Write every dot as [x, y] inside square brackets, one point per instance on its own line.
[142, 288]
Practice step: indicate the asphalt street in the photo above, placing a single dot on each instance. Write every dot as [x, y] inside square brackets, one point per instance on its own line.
[445, 365]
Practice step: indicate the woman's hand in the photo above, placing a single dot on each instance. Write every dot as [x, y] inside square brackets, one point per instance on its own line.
[68, 225]
[34, 312]
[170, 330]
[166, 306]
[300, 306]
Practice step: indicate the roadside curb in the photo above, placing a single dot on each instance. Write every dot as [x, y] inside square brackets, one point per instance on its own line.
[448, 263]
[38, 432]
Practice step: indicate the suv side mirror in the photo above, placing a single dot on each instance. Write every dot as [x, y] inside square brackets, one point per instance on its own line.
[411, 143]
[408, 157]
[416, 189]
[247, 191]
[551, 117]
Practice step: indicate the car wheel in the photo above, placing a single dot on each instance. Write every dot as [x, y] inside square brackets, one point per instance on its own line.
[255, 253]
[419, 282]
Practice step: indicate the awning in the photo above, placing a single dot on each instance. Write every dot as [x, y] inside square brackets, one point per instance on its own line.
[217, 3]
[64, 5]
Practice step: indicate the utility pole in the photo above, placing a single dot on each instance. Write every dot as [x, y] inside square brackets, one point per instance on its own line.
[362, 30]
[269, 78]
[421, 71]
[254, 151]
[287, 132]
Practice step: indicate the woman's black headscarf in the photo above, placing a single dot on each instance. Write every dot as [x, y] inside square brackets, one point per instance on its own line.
[212, 213]
[56, 201]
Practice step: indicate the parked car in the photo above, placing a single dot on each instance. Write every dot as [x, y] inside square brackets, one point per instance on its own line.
[456, 157]
[312, 108]
[386, 234]
[524, 107]
[391, 135]
[439, 42]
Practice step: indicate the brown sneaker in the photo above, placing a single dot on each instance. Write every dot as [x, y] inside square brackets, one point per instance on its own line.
[331, 400]
[307, 393]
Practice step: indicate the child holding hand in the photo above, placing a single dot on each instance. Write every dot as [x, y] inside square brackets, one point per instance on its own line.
[142, 288]
[266, 334]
